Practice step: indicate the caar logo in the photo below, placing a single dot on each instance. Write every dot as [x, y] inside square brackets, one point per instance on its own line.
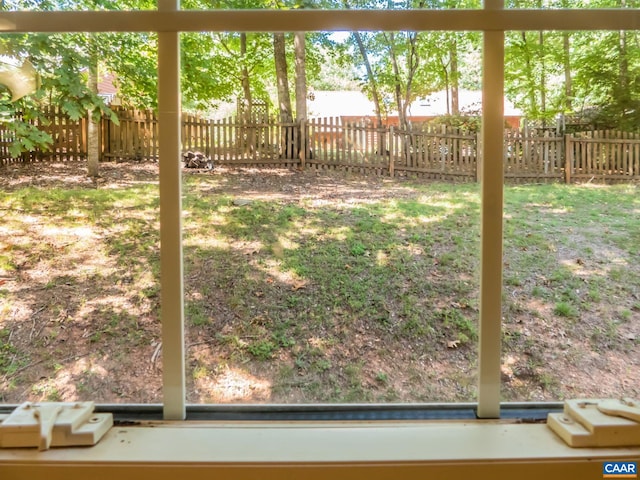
[619, 470]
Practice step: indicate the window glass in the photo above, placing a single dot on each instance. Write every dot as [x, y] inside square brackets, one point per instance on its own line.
[346, 4]
[70, 5]
[555, 4]
[313, 272]
[362, 239]
[79, 285]
[571, 251]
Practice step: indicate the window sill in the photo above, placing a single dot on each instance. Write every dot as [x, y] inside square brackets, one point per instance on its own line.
[442, 449]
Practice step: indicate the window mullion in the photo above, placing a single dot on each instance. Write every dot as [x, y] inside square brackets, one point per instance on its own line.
[171, 266]
[491, 220]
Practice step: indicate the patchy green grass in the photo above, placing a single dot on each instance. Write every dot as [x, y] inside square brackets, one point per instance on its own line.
[576, 244]
[302, 284]
[401, 273]
[78, 267]
[313, 288]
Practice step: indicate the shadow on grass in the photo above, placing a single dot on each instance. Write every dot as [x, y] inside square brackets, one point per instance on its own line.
[80, 284]
[329, 303]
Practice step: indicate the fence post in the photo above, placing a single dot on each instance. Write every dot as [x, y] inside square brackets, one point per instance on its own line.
[478, 158]
[303, 143]
[391, 156]
[545, 158]
[568, 158]
[217, 145]
[526, 146]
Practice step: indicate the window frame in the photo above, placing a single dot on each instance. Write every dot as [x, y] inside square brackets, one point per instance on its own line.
[168, 21]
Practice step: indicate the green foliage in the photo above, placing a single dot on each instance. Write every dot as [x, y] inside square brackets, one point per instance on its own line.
[26, 137]
[467, 123]
[608, 77]
[358, 249]
[465, 329]
[61, 61]
[594, 74]
[565, 309]
[7, 350]
[262, 349]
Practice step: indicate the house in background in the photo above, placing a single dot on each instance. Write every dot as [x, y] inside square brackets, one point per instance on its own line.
[470, 103]
[348, 105]
[108, 90]
[353, 106]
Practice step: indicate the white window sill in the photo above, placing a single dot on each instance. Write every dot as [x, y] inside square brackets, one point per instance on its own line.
[477, 449]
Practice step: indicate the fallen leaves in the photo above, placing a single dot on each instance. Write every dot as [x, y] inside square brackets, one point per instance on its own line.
[298, 286]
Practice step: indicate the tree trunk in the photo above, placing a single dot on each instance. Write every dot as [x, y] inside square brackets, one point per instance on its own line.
[624, 57]
[543, 79]
[402, 120]
[455, 78]
[403, 101]
[246, 85]
[568, 92]
[447, 87]
[93, 125]
[299, 45]
[531, 92]
[373, 86]
[624, 62]
[370, 77]
[412, 67]
[284, 97]
[282, 77]
[247, 106]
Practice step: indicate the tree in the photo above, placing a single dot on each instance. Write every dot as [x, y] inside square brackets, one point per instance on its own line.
[398, 67]
[282, 78]
[300, 45]
[93, 126]
[405, 45]
[607, 81]
[597, 73]
[61, 61]
[371, 79]
[530, 66]
[65, 63]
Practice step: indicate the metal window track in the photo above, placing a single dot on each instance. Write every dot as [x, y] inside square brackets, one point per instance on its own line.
[519, 412]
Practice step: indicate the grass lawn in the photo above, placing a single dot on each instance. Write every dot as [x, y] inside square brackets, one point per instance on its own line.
[313, 287]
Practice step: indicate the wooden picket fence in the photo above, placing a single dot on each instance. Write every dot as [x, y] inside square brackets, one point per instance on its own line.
[134, 137]
[354, 147]
[69, 139]
[602, 154]
[423, 150]
[236, 142]
[433, 151]
[529, 155]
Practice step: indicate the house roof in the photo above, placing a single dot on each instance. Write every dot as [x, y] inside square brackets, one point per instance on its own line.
[338, 104]
[470, 101]
[356, 104]
[106, 84]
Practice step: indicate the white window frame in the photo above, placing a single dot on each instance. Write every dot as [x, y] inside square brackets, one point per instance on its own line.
[168, 21]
